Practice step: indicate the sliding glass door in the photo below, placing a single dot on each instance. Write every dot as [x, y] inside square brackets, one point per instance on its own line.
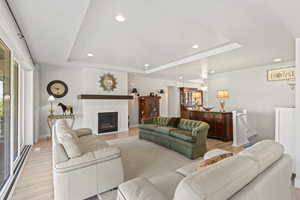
[15, 102]
[5, 137]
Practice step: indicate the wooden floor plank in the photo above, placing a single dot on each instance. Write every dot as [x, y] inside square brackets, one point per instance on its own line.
[35, 182]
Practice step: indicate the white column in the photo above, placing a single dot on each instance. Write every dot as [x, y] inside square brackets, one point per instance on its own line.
[297, 181]
[28, 107]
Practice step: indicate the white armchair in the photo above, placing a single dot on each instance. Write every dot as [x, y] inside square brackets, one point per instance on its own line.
[97, 169]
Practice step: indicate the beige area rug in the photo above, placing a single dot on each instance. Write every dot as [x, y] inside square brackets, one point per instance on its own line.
[143, 158]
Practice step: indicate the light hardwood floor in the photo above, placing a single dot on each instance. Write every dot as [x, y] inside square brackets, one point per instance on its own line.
[35, 181]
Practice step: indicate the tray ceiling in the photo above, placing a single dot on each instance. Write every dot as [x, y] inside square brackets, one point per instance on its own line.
[63, 33]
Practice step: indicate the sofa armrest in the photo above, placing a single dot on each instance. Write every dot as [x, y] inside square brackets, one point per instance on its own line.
[201, 132]
[83, 132]
[147, 121]
[107, 153]
[139, 189]
[88, 159]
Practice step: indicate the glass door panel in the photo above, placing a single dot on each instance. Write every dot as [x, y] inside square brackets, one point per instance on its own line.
[5, 161]
[15, 101]
[21, 109]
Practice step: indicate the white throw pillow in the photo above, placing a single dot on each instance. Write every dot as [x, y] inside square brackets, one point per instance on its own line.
[68, 139]
[71, 145]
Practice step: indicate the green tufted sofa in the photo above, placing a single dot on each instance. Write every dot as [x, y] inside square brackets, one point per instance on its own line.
[187, 137]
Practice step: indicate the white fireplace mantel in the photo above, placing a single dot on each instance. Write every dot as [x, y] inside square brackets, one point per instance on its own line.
[91, 108]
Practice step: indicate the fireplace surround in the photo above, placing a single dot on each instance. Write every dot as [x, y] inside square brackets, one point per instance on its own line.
[107, 122]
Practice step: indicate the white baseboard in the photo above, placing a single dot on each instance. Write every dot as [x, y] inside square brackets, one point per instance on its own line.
[42, 137]
[134, 125]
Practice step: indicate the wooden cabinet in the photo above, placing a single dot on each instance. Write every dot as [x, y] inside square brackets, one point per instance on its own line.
[188, 100]
[148, 107]
[220, 123]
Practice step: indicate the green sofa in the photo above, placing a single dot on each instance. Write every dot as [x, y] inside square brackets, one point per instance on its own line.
[187, 137]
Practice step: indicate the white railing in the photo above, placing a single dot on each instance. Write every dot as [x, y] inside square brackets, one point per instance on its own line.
[241, 129]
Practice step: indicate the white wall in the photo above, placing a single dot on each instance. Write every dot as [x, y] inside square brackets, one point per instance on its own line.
[249, 89]
[73, 78]
[79, 81]
[173, 101]
[297, 181]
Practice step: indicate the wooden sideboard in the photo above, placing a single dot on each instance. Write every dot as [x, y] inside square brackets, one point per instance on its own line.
[221, 124]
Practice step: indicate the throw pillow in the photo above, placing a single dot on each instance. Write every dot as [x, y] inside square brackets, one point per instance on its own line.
[213, 160]
[70, 144]
[68, 139]
[174, 121]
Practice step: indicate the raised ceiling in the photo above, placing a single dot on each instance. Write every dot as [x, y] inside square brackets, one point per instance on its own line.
[63, 32]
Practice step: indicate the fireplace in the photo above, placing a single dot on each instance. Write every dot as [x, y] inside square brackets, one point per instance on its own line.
[107, 122]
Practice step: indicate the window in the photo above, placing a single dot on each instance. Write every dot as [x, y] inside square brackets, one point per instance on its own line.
[5, 142]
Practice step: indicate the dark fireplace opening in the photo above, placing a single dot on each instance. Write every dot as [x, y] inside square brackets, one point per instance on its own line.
[107, 122]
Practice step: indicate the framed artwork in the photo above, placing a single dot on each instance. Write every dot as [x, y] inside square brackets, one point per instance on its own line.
[108, 82]
[281, 74]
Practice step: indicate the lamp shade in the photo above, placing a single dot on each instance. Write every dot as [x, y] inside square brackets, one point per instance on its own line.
[196, 95]
[51, 99]
[222, 94]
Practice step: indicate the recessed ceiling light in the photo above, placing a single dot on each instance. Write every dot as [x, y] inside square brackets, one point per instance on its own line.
[212, 71]
[277, 60]
[180, 77]
[90, 55]
[120, 18]
[147, 65]
[195, 46]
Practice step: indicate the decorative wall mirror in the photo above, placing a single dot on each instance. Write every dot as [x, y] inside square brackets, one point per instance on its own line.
[108, 82]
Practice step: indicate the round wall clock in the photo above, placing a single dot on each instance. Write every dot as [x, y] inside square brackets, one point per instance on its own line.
[108, 82]
[57, 88]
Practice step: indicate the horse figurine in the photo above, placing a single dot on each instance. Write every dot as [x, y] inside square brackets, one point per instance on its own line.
[66, 108]
[70, 109]
[63, 107]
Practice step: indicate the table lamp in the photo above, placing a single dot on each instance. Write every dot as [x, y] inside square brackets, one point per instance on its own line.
[51, 99]
[221, 95]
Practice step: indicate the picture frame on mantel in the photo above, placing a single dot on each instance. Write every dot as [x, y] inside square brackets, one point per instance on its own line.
[281, 74]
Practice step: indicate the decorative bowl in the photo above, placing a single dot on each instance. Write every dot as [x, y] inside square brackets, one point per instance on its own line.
[207, 109]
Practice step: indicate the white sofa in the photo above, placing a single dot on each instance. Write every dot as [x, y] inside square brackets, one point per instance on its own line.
[98, 169]
[261, 172]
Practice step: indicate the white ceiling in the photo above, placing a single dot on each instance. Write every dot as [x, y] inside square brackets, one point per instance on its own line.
[63, 32]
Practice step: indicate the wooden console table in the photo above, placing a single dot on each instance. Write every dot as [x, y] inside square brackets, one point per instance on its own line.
[221, 124]
[52, 118]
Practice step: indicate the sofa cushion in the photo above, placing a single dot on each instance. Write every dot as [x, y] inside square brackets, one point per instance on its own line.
[68, 139]
[265, 153]
[218, 181]
[188, 169]
[161, 121]
[139, 189]
[164, 129]
[150, 127]
[91, 143]
[59, 153]
[167, 183]
[83, 132]
[183, 135]
[70, 144]
[187, 124]
[174, 121]
[159, 129]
